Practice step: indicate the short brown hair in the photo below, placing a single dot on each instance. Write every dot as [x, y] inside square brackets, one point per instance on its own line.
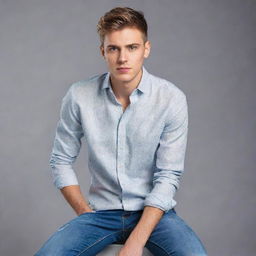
[119, 18]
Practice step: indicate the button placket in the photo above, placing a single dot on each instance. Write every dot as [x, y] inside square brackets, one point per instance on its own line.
[121, 152]
[121, 133]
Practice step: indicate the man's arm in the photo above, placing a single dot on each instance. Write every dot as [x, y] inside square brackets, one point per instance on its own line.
[170, 165]
[75, 198]
[135, 243]
[148, 221]
[170, 157]
[65, 150]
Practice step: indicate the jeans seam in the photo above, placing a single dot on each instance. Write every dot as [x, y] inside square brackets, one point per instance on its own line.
[158, 246]
[97, 242]
[123, 227]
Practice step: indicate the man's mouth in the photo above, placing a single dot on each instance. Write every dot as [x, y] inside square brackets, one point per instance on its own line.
[123, 69]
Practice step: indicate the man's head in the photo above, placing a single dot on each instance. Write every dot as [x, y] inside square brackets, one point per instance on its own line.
[124, 43]
[119, 18]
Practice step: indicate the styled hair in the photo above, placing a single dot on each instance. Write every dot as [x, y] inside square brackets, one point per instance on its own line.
[119, 18]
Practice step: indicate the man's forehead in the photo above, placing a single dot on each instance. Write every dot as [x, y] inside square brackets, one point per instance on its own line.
[125, 36]
[120, 45]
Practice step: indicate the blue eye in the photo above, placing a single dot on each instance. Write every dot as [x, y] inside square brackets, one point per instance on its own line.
[112, 49]
[133, 47]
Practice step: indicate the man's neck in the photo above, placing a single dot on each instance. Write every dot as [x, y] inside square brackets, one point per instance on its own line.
[123, 90]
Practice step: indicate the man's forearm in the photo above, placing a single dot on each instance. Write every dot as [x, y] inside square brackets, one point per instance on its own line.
[75, 198]
[148, 221]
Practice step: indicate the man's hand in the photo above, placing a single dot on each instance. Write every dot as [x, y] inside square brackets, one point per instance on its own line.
[74, 197]
[136, 241]
[131, 249]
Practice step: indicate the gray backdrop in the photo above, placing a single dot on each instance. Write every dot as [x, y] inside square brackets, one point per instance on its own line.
[207, 48]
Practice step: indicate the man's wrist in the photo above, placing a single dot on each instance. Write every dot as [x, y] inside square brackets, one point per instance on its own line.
[134, 240]
[148, 221]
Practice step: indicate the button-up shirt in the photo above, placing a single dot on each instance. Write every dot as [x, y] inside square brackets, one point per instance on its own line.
[135, 156]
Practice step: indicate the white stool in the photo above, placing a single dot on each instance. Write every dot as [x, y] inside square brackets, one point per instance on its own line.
[112, 250]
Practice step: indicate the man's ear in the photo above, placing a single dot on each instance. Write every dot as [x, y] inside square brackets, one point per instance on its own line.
[102, 51]
[147, 49]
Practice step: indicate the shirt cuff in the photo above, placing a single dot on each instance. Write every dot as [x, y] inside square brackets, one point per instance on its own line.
[158, 202]
[63, 175]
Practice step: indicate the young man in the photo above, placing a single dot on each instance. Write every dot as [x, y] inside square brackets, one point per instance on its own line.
[136, 126]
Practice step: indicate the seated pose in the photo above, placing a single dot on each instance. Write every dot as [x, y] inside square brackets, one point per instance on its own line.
[135, 125]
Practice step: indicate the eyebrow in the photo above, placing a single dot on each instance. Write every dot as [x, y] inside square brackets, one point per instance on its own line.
[112, 45]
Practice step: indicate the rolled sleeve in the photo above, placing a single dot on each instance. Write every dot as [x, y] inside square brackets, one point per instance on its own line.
[170, 156]
[67, 142]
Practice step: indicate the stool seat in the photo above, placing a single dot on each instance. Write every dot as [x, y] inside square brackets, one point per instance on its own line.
[112, 249]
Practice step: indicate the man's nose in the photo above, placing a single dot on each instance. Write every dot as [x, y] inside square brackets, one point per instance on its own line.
[122, 56]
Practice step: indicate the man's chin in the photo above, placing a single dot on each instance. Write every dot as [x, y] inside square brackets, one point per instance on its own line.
[123, 77]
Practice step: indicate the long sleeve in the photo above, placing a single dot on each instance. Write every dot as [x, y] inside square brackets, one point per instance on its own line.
[170, 158]
[67, 142]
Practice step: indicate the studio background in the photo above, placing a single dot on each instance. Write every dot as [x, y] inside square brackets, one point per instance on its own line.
[206, 48]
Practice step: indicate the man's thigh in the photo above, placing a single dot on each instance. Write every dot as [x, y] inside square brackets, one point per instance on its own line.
[85, 235]
[173, 236]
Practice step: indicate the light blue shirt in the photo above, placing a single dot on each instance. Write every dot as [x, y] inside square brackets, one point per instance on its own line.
[135, 157]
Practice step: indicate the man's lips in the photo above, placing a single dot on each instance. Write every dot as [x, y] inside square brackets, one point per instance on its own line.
[123, 68]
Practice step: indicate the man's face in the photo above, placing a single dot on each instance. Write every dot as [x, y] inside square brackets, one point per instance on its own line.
[125, 48]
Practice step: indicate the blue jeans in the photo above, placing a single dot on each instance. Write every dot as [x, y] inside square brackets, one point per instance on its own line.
[89, 233]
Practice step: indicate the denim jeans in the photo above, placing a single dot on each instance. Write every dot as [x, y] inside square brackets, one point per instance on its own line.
[89, 233]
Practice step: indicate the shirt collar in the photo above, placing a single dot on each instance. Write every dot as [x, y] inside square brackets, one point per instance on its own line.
[143, 84]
